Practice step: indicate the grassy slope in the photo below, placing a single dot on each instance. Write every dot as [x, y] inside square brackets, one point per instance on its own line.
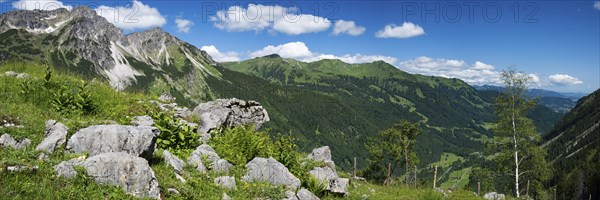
[32, 111]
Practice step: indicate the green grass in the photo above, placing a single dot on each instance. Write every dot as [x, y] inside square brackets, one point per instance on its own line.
[362, 190]
[32, 108]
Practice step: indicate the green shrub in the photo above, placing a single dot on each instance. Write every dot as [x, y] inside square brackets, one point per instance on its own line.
[314, 185]
[175, 135]
[73, 97]
[241, 144]
[286, 152]
[64, 96]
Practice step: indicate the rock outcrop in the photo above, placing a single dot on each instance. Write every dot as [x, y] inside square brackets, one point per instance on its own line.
[7, 140]
[270, 170]
[135, 140]
[131, 173]
[213, 161]
[173, 161]
[322, 154]
[327, 174]
[230, 113]
[56, 136]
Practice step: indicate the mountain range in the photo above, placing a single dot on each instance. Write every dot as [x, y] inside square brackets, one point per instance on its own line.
[326, 102]
[574, 150]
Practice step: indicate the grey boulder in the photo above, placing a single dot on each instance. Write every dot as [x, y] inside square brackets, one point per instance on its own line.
[325, 175]
[144, 120]
[494, 196]
[263, 169]
[304, 194]
[230, 113]
[339, 186]
[135, 140]
[173, 161]
[131, 173]
[7, 140]
[56, 136]
[212, 160]
[322, 154]
[226, 181]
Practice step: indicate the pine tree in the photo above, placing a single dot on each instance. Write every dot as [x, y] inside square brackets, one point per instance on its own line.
[515, 137]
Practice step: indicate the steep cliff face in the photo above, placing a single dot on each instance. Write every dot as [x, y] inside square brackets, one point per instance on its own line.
[84, 42]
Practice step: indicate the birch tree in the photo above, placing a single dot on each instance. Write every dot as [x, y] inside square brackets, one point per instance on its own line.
[515, 137]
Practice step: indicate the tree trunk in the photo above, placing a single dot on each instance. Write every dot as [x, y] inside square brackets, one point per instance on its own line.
[516, 151]
[407, 170]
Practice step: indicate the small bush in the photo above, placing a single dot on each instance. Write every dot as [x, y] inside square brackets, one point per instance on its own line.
[175, 135]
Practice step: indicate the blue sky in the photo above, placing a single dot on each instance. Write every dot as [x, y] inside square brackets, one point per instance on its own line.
[557, 42]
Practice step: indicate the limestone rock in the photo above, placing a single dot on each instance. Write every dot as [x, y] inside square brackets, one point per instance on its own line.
[56, 136]
[494, 196]
[304, 194]
[263, 169]
[173, 161]
[144, 120]
[322, 154]
[339, 186]
[230, 113]
[324, 174]
[7, 140]
[131, 173]
[135, 140]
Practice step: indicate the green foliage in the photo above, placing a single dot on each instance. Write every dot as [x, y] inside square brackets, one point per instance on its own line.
[516, 140]
[286, 152]
[175, 135]
[70, 97]
[314, 185]
[64, 96]
[396, 146]
[241, 144]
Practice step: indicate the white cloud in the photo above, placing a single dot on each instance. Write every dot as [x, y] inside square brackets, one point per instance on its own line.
[184, 25]
[39, 5]
[478, 73]
[135, 16]
[597, 5]
[296, 50]
[299, 50]
[274, 18]
[348, 27]
[407, 30]
[563, 80]
[220, 56]
[299, 24]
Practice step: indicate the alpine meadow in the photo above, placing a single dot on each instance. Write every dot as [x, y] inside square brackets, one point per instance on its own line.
[299, 100]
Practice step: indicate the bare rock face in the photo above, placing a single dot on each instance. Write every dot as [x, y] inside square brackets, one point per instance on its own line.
[230, 113]
[134, 140]
[131, 173]
[270, 170]
[327, 174]
[56, 136]
[322, 154]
